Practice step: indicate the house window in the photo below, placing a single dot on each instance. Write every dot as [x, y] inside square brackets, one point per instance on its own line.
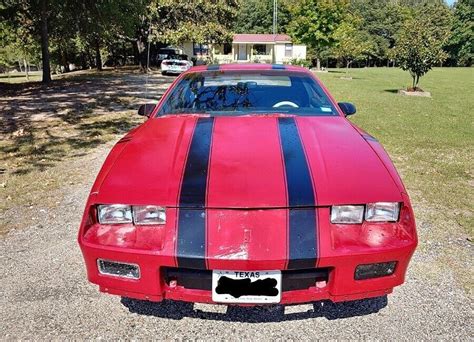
[289, 50]
[227, 49]
[200, 49]
[223, 49]
[259, 49]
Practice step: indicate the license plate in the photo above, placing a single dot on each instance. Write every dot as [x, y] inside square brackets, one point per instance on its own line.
[253, 287]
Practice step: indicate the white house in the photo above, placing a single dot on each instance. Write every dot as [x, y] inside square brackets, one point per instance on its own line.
[245, 48]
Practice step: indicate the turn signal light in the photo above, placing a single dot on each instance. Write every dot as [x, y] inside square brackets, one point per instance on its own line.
[378, 270]
[118, 269]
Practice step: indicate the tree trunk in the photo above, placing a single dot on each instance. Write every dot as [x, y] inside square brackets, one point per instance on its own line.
[26, 69]
[417, 81]
[64, 61]
[45, 42]
[318, 63]
[83, 61]
[90, 57]
[142, 54]
[124, 54]
[98, 58]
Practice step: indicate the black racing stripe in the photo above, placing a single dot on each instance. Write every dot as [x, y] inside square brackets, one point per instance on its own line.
[191, 249]
[302, 245]
[193, 187]
[192, 238]
[300, 186]
[213, 67]
[301, 200]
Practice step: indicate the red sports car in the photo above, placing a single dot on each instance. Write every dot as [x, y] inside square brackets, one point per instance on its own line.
[248, 185]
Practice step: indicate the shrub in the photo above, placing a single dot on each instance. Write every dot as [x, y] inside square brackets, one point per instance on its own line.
[299, 61]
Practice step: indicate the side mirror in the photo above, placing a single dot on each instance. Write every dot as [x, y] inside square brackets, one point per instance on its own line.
[146, 109]
[347, 108]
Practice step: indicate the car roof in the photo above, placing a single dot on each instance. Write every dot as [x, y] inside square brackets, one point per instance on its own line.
[246, 67]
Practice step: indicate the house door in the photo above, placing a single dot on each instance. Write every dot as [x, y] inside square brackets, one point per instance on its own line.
[242, 52]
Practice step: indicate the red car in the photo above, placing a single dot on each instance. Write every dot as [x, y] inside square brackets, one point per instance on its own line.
[248, 185]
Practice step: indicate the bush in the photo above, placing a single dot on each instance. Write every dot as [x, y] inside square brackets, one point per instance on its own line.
[300, 62]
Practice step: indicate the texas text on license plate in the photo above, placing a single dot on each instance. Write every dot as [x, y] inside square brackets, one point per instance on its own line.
[246, 286]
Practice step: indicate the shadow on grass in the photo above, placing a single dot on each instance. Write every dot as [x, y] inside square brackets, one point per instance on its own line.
[70, 97]
[42, 125]
[258, 314]
[393, 91]
[54, 147]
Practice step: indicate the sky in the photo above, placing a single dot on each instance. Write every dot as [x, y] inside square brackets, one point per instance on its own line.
[450, 2]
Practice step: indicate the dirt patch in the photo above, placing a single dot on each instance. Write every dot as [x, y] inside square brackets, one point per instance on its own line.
[412, 92]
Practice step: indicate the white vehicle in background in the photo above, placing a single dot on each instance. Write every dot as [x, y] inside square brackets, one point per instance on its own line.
[175, 64]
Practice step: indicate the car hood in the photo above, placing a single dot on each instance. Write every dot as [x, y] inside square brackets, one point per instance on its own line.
[246, 162]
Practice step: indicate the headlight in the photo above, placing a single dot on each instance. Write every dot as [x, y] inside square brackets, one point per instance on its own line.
[347, 214]
[382, 212]
[149, 214]
[114, 213]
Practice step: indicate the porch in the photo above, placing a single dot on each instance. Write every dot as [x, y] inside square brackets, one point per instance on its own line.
[244, 53]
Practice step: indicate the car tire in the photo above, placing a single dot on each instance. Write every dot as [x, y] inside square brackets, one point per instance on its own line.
[163, 73]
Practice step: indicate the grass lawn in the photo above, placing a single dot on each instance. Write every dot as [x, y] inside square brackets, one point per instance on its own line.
[431, 142]
[20, 77]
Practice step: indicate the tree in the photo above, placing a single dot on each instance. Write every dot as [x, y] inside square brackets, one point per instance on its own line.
[45, 41]
[92, 29]
[420, 47]
[201, 21]
[381, 20]
[24, 22]
[18, 48]
[351, 42]
[101, 22]
[460, 45]
[256, 16]
[314, 22]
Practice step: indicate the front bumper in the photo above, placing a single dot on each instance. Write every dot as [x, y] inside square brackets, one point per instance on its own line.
[153, 286]
[174, 71]
[342, 249]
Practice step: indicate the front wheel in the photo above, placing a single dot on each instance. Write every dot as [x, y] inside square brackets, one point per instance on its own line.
[163, 73]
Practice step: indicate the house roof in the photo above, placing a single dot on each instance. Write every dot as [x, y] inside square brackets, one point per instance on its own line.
[261, 38]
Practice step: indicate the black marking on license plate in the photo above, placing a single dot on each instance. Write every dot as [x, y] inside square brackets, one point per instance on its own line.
[246, 287]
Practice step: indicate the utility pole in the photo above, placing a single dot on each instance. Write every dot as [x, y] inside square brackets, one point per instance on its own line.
[275, 16]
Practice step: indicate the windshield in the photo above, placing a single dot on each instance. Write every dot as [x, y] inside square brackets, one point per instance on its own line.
[246, 92]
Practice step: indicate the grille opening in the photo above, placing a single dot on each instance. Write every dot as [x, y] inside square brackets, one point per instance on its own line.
[118, 269]
[202, 279]
[303, 279]
[188, 278]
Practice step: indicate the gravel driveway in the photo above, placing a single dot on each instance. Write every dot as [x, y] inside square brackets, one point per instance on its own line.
[45, 295]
